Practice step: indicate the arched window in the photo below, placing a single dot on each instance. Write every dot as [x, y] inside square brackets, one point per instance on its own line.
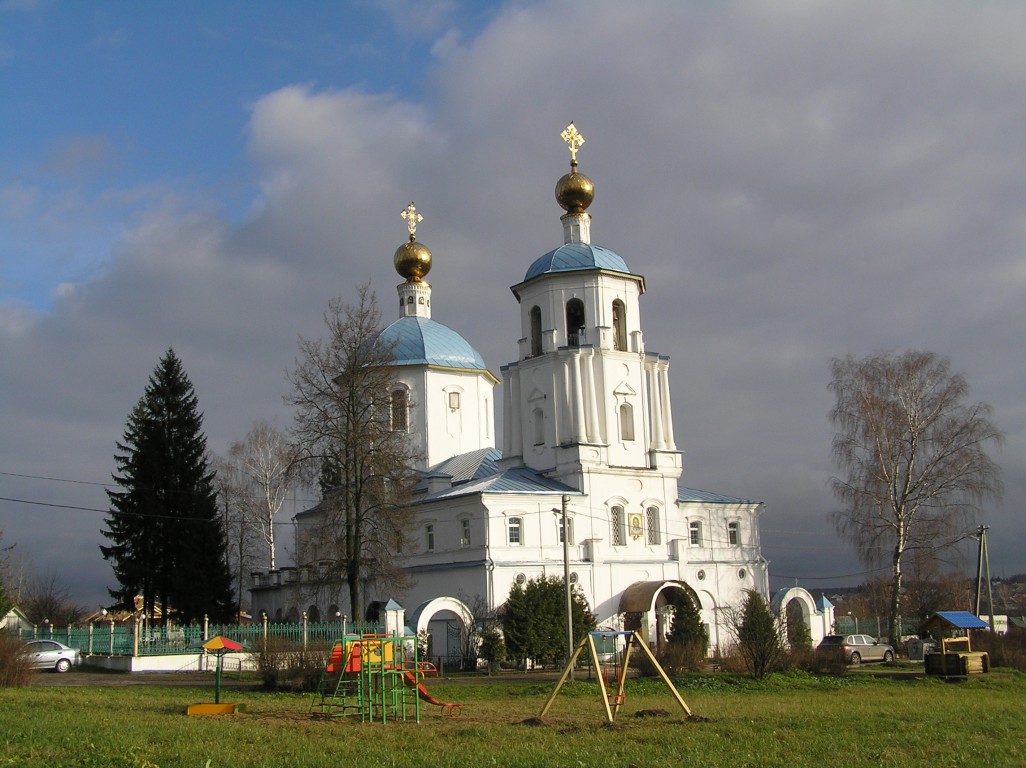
[619, 326]
[574, 322]
[536, 336]
[733, 534]
[652, 525]
[538, 424]
[616, 522]
[626, 422]
[400, 410]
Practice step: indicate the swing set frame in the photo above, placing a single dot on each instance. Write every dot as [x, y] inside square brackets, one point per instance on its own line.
[613, 701]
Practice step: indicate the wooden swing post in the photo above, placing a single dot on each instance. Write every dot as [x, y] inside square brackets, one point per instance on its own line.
[613, 708]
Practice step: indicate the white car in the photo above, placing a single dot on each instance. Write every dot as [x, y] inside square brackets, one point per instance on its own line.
[49, 654]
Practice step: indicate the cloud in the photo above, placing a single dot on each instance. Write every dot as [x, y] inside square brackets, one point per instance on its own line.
[421, 18]
[794, 181]
[115, 38]
[74, 155]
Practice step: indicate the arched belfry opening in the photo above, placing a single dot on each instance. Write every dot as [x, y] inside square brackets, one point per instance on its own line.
[536, 331]
[574, 322]
[619, 326]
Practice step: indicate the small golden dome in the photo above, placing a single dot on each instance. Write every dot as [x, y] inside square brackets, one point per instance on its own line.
[574, 192]
[412, 260]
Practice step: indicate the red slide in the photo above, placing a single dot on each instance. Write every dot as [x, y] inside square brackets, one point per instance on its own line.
[453, 710]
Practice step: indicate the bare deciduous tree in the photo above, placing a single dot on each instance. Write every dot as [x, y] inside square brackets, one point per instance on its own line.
[913, 453]
[242, 544]
[49, 602]
[267, 464]
[341, 391]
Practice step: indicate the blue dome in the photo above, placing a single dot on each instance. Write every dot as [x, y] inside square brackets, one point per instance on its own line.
[573, 257]
[420, 341]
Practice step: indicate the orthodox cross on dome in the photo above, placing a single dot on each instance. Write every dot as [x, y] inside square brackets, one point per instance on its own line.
[412, 218]
[573, 140]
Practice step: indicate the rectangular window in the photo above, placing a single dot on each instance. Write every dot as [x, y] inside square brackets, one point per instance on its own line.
[652, 525]
[570, 529]
[695, 530]
[464, 533]
[616, 521]
[733, 534]
[429, 532]
[514, 529]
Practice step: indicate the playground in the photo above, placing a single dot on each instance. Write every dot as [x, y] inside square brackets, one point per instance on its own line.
[376, 678]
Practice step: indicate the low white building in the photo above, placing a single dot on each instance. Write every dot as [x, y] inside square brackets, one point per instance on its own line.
[587, 422]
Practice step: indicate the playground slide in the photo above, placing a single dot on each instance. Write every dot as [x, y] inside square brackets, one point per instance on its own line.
[412, 682]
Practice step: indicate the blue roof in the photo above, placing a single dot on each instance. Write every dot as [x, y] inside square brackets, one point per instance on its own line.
[693, 494]
[962, 620]
[421, 341]
[473, 465]
[518, 480]
[574, 257]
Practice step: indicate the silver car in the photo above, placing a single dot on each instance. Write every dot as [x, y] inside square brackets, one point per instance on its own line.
[857, 648]
[49, 654]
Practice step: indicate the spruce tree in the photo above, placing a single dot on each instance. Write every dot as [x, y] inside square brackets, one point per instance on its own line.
[686, 627]
[167, 538]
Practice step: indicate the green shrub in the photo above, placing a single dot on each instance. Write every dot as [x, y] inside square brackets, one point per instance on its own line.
[15, 671]
[492, 648]
[760, 638]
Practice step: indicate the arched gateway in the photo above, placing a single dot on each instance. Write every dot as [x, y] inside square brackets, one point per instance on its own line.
[819, 619]
[447, 644]
[647, 607]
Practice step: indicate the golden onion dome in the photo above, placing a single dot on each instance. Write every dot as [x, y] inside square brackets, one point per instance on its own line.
[412, 260]
[575, 192]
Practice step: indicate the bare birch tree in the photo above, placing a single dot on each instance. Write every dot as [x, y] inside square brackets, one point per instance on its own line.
[266, 461]
[913, 453]
[342, 389]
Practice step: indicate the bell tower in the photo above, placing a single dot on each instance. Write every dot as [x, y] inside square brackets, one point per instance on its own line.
[584, 395]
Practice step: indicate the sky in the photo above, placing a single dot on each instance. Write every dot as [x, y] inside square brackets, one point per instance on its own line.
[796, 181]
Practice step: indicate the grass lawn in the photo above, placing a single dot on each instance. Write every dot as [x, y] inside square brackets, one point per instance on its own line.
[788, 720]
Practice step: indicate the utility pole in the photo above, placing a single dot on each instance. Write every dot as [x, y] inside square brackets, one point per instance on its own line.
[983, 561]
[566, 586]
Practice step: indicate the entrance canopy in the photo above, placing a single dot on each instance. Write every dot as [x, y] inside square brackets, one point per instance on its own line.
[640, 597]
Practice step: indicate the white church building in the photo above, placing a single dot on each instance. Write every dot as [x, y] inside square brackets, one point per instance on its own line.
[587, 422]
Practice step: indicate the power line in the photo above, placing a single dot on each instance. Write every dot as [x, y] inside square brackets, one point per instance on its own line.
[59, 479]
[127, 514]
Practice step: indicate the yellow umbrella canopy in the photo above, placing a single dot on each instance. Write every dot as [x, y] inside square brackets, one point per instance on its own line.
[222, 644]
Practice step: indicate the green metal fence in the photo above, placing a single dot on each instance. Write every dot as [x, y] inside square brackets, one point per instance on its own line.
[846, 624]
[106, 638]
